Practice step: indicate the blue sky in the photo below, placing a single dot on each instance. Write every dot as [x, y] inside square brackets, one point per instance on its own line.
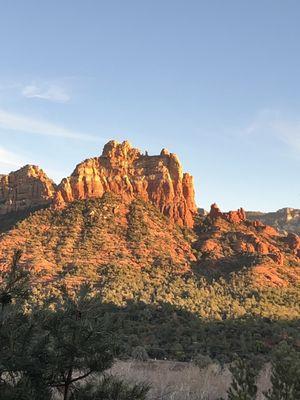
[216, 82]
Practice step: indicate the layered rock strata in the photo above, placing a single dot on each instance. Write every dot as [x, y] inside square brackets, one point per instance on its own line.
[27, 188]
[125, 171]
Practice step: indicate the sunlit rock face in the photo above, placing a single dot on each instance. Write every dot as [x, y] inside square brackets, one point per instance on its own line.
[231, 216]
[27, 188]
[124, 170]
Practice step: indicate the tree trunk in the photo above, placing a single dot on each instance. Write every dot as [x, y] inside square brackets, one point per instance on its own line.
[67, 384]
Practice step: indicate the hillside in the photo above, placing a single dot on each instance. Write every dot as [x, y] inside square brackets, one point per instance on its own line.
[87, 235]
[172, 291]
[173, 282]
[228, 241]
[285, 219]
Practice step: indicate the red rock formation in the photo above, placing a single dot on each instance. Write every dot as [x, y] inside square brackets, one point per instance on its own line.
[236, 216]
[215, 212]
[231, 216]
[293, 241]
[123, 170]
[226, 238]
[29, 187]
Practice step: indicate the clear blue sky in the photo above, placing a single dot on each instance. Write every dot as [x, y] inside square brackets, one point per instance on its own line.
[217, 82]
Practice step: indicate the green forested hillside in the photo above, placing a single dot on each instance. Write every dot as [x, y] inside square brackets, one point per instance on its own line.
[155, 291]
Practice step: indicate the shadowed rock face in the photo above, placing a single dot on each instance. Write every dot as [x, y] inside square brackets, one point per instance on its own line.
[27, 188]
[127, 172]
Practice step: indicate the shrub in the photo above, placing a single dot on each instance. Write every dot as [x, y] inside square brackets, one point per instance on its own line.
[202, 361]
[243, 386]
[139, 353]
[285, 376]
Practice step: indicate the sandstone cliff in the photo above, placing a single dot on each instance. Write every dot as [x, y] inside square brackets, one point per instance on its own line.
[127, 172]
[27, 188]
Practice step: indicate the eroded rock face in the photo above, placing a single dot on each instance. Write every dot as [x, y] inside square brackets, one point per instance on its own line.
[293, 242]
[27, 188]
[125, 171]
[229, 238]
[231, 216]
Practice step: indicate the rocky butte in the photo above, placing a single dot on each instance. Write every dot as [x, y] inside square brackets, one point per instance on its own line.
[121, 169]
[124, 170]
[27, 188]
[120, 228]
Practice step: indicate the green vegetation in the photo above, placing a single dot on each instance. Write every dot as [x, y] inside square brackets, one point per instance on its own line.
[49, 350]
[243, 386]
[8, 221]
[50, 342]
[52, 338]
[169, 316]
[285, 377]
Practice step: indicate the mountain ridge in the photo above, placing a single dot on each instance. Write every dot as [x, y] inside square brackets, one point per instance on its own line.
[121, 169]
[124, 170]
[150, 206]
[88, 235]
[285, 219]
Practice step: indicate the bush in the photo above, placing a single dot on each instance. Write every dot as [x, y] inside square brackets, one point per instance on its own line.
[139, 353]
[285, 376]
[202, 361]
[243, 386]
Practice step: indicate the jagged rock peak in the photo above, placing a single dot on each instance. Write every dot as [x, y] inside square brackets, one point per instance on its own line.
[231, 216]
[230, 235]
[126, 171]
[27, 188]
[114, 148]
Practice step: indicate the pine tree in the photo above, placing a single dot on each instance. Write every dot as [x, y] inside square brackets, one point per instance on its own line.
[285, 376]
[15, 330]
[70, 343]
[14, 282]
[243, 386]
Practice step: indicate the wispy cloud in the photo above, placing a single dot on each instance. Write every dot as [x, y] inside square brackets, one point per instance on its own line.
[23, 124]
[51, 92]
[276, 125]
